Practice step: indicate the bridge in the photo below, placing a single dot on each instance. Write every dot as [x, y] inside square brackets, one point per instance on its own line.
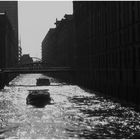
[26, 70]
[35, 67]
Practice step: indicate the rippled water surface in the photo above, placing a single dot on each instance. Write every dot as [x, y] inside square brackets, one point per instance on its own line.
[74, 113]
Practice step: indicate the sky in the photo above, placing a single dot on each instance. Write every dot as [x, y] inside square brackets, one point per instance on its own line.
[35, 20]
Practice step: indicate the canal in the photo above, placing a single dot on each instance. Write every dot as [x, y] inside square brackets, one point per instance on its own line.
[74, 113]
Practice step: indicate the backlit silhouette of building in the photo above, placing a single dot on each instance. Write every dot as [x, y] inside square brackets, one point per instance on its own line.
[58, 45]
[26, 59]
[11, 10]
[8, 49]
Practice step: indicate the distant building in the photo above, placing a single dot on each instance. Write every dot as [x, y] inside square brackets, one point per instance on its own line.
[26, 59]
[19, 51]
[58, 45]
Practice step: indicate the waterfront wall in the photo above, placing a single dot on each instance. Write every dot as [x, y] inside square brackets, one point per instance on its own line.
[108, 47]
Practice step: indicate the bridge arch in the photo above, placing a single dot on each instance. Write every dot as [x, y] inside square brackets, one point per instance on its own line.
[36, 59]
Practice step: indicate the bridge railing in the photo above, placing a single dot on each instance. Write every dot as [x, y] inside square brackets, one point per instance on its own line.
[36, 70]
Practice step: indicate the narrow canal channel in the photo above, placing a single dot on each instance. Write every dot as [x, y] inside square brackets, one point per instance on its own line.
[74, 113]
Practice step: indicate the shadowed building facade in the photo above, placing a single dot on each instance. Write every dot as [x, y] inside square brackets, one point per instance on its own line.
[58, 45]
[11, 10]
[8, 51]
[25, 59]
[7, 43]
[48, 47]
[108, 47]
[8, 38]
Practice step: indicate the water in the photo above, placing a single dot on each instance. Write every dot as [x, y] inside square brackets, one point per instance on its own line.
[74, 113]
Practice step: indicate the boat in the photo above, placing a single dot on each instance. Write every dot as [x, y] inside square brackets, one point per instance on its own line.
[42, 82]
[38, 98]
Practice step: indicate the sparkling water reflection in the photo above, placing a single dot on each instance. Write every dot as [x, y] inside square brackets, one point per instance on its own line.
[75, 113]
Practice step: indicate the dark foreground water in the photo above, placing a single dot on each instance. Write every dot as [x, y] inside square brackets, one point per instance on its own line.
[74, 113]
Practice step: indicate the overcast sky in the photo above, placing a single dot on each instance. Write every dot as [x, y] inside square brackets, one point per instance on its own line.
[35, 19]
